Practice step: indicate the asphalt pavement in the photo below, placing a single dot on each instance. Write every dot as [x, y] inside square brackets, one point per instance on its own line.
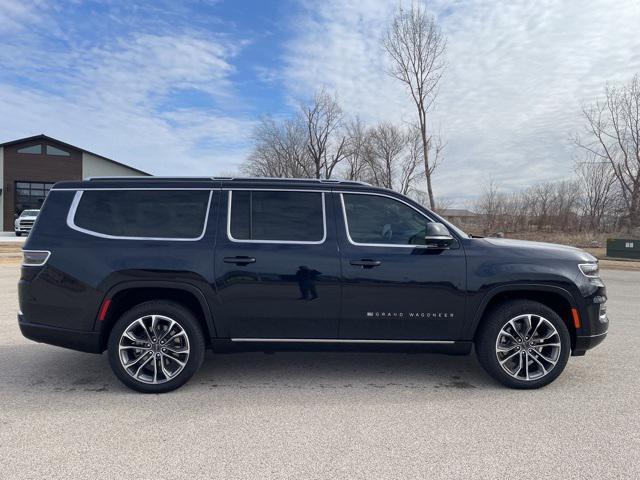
[322, 415]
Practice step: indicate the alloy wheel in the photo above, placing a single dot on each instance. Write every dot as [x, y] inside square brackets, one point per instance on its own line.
[154, 349]
[528, 347]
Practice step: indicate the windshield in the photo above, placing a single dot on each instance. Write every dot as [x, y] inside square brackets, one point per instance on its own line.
[29, 213]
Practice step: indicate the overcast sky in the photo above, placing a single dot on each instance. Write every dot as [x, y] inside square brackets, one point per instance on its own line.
[175, 87]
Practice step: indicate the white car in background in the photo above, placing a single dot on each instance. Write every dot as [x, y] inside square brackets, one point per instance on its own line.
[24, 223]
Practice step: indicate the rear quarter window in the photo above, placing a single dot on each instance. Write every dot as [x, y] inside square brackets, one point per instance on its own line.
[143, 213]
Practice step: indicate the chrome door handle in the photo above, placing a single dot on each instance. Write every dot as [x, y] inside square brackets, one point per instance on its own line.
[240, 260]
[365, 263]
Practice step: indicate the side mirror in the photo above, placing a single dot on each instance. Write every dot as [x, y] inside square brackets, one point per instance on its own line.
[437, 236]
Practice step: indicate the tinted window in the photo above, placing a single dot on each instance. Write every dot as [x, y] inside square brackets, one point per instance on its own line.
[30, 195]
[151, 213]
[51, 150]
[34, 149]
[376, 219]
[283, 216]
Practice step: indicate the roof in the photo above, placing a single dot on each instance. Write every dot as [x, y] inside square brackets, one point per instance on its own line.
[42, 136]
[457, 212]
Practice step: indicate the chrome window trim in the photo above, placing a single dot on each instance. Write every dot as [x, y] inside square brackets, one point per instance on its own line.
[278, 242]
[275, 189]
[76, 201]
[385, 245]
[341, 340]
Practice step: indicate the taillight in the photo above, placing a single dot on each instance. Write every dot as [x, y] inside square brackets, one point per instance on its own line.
[35, 258]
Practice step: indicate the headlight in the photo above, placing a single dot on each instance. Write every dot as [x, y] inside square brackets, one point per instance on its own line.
[590, 270]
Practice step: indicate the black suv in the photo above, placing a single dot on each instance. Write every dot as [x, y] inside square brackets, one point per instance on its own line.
[156, 270]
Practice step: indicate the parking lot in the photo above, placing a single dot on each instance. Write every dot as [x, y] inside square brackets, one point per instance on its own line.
[322, 415]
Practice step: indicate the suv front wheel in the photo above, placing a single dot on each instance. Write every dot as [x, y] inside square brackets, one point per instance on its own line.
[523, 344]
[156, 347]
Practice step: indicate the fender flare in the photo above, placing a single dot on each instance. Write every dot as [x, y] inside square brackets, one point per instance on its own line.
[472, 326]
[175, 285]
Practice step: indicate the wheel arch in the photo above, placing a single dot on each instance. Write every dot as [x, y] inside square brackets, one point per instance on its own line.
[126, 295]
[557, 298]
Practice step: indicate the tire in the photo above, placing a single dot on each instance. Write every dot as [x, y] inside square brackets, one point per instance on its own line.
[164, 346]
[502, 340]
[18, 234]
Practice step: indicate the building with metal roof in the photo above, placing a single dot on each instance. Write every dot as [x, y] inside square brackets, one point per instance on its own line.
[30, 166]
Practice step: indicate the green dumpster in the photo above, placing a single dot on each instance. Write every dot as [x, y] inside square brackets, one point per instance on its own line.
[623, 248]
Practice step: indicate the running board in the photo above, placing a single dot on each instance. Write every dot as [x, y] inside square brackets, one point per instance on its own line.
[341, 340]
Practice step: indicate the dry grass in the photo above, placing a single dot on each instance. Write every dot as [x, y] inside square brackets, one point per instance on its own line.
[594, 243]
[581, 240]
[10, 260]
[10, 253]
[10, 247]
[631, 265]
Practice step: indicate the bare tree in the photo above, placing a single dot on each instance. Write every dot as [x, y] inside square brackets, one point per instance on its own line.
[387, 143]
[565, 203]
[489, 206]
[355, 157]
[388, 156]
[613, 135]
[597, 183]
[410, 169]
[326, 142]
[280, 150]
[442, 205]
[310, 144]
[417, 47]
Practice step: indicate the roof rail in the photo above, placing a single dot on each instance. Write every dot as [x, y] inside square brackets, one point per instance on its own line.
[317, 180]
[251, 179]
[148, 179]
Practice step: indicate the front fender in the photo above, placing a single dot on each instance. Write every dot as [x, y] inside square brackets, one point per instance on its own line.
[475, 318]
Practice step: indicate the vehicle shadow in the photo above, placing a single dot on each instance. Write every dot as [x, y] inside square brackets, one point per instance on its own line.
[54, 369]
[308, 370]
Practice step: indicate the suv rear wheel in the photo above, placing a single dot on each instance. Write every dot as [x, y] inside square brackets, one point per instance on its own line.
[156, 347]
[523, 344]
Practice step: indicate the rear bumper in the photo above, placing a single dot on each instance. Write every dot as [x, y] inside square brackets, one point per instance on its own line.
[61, 337]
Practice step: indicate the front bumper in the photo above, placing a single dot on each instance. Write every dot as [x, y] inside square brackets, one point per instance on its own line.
[61, 337]
[595, 323]
[23, 227]
[587, 342]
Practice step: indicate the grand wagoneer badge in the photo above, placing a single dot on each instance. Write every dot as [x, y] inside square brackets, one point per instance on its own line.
[411, 314]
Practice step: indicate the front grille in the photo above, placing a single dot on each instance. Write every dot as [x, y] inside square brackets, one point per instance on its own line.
[26, 224]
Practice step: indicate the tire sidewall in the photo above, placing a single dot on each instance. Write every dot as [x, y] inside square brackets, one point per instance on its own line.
[177, 313]
[487, 338]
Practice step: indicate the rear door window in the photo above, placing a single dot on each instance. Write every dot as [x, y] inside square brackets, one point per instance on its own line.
[277, 216]
[165, 214]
